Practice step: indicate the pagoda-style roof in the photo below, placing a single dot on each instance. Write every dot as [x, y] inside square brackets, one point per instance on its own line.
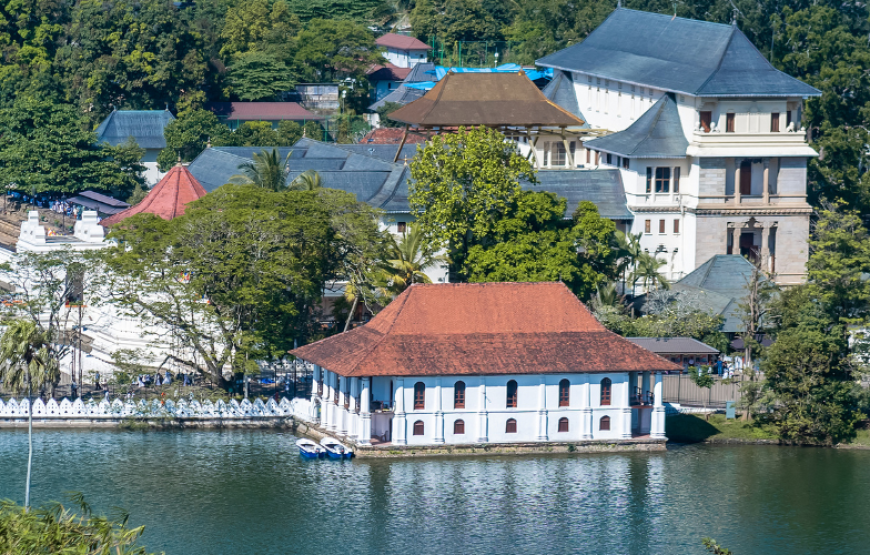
[167, 199]
[489, 99]
[481, 328]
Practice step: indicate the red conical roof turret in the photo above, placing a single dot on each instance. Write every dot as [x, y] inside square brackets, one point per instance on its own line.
[167, 199]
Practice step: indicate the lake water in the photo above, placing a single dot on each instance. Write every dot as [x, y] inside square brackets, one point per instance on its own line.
[227, 492]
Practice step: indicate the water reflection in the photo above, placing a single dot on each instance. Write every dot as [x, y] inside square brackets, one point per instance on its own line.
[248, 491]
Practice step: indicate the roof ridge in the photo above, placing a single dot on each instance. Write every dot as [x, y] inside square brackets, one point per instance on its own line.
[384, 334]
[719, 63]
[667, 97]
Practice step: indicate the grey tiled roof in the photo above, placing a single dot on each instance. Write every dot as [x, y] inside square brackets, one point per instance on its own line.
[145, 126]
[369, 173]
[674, 345]
[561, 91]
[676, 54]
[403, 94]
[656, 134]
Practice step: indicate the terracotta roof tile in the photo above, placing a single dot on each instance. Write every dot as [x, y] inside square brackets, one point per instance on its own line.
[492, 328]
[401, 42]
[390, 136]
[167, 199]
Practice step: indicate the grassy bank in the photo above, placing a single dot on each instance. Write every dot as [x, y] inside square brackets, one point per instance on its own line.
[692, 428]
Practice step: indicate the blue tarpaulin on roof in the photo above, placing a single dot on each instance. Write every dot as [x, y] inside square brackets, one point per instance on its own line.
[441, 71]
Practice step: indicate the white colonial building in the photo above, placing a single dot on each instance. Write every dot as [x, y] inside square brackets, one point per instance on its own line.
[705, 132]
[485, 363]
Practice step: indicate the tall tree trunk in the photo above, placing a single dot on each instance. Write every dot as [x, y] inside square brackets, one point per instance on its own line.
[352, 311]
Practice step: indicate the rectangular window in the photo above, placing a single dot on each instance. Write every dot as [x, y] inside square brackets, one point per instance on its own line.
[618, 161]
[647, 226]
[649, 180]
[588, 156]
[401, 227]
[706, 121]
[787, 118]
[774, 122]
[661, 226]
[745, 177]
[729, 123]
[597, 158]
[663, 180]
[609, 159]
[676, 226]
[625, 163]
[557, 155]
[677, 179]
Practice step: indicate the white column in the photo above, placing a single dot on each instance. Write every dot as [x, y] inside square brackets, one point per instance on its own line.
[315, 382]
[352, 428]
[327, 403]
[439, 414]
[482, 418]
[586, 409]
[366, 416]
[626, 409]
[542, 410]
[657, 425]
[399, 431]
[344, 399]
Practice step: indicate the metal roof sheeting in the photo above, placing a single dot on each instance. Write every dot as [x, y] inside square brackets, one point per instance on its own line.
[674, 345]
[658, 133]
[676, 54]
[144, 126]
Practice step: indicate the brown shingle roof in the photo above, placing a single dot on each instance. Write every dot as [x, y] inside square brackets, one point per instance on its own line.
[389, 72]
[390, 136]
[492, 99]
[491, 328]
[167, 199]
[400, 42]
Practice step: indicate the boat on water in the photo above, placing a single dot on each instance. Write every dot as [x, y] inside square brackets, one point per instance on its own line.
[334, 449]
[310, 450]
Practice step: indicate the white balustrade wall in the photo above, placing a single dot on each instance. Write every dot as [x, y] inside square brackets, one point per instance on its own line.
[181, 408]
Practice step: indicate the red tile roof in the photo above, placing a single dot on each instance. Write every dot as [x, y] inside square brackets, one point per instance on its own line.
[261, 111]
[390, 136]
[389, 72]
[167, 199]
[401, 42]
[487, 328]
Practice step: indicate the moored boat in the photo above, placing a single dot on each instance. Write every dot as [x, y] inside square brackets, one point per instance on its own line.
[309, 449]
[334, 449]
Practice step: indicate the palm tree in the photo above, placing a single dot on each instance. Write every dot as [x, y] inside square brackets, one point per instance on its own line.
[407, 257]
[24, 363]
[309, 180]
[647, 270]
[628, 251]
[266, 170]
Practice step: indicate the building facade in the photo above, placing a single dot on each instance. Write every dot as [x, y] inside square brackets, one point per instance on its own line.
[706, 134]
[429, 370]
[403, 51]
[145, 127]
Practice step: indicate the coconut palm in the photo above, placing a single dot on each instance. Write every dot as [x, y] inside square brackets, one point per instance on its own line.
[266, 170]
[646, 270]
[628, 251]
[24, 363]
[407, 257]
[309, 180]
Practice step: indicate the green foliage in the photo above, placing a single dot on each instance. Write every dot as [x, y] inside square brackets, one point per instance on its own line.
[329, 50]
[309, 180]
[26, 360]
[258, 76]
[701, 377]
[357, 10]
[384, 114]
[407, 258]
[188, 136]
[266, 171]
[45, 149]
[53, 528]
[714, 548]
[259, 26]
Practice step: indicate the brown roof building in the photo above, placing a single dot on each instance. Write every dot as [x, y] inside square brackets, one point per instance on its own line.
[167, 199]
[494, 363]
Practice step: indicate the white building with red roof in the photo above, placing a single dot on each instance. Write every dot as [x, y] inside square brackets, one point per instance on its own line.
[498, 363]
[402, 50]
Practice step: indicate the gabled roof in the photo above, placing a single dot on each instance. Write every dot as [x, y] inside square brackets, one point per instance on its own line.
[658, 133]
[479, 329]
[492, 99]
[167, 199]
[602, 187]
[674, 345]
[99, 202]
[389, 72]
[144, 126]
[261, 111]
[400, 42]
[676, 54]
[561, 90]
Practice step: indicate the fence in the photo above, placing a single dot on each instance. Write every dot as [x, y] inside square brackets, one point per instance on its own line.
[679, 388]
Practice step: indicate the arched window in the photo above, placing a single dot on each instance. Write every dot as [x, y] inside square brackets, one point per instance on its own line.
[606, 386]
[511, 426]
[459, 396]
[419, 396]
[459, 427]
[564, 393]
[419, 429]
[563, 424]
[604, 424]
[512, 394]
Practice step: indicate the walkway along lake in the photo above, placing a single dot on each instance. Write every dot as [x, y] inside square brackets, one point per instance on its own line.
[248, 491]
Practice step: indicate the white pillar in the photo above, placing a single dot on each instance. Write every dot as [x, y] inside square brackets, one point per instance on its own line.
[586, 409]
[542, 410]
[327, 403]
[366, 415]
[482, 418]
[353, 427]
[315, 382]
[657, 425]
[399, 431]
[439, 414]
[626, 410]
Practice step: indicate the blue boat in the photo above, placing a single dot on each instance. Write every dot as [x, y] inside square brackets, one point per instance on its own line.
[310, 450]
[334, 449]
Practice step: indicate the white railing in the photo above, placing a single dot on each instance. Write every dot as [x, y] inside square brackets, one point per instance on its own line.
[181, 408]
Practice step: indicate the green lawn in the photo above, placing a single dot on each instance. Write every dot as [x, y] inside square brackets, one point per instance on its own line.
[692, 428]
